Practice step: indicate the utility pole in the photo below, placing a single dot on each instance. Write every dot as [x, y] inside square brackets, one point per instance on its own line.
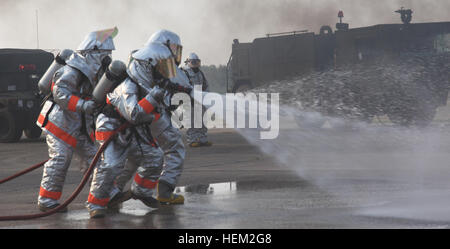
[37, 29]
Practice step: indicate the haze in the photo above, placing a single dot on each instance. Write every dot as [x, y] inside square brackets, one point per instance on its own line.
[205, 27]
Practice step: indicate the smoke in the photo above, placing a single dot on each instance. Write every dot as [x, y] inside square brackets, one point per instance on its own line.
[205, 27]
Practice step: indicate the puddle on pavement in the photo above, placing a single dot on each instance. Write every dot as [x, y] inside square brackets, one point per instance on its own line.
[215, 188]
[222, 206]
[235, 186]
[202, 193]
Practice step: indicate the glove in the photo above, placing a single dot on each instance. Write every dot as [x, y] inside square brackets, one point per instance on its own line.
[148, 118]
[157, 93]
[174, 87]
[88, 107]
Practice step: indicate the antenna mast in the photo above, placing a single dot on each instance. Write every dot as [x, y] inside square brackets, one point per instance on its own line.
[37, 29]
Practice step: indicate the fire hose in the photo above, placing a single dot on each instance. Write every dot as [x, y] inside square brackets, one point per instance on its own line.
[23, 172]
[77, 190]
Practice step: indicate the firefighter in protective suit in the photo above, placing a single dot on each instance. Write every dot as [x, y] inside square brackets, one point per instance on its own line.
[66, 116]
[168, 137]
[136, 102]
[196, 137]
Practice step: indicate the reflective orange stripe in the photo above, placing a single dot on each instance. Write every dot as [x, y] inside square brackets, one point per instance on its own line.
[49, 194]
[72, 106]
[53, 84]
[41, 119]
[58, 132]
[157, 116]
[107, 100]
[144, 182]
[101, 202]
[103, 135]
[147, 106]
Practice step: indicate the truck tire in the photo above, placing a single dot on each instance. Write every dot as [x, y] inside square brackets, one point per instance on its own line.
[33, 132]
[10, 127]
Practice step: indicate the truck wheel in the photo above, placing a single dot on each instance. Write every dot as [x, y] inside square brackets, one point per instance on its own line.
[33, 132]
[10, 128]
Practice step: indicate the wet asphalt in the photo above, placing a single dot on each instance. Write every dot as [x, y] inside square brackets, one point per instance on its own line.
[357, 178]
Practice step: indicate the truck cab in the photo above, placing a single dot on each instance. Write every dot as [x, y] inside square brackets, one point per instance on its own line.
[20, 71]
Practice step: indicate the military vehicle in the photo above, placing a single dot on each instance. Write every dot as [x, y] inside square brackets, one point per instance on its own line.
[399, 70]
[20, 71]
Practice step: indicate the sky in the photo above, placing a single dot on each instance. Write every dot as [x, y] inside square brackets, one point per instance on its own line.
[206, 27]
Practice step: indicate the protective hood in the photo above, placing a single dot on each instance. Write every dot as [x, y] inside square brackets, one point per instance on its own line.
[152, 53]
[99, 40]
[158, 56]
[141, 73]
[193, 61]
[193, 56]
[162, 36]
[89, 63]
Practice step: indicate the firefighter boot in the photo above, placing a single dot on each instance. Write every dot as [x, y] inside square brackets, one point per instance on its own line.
[116, 202]
[97, 213]
[195, 144]
[148, 201]
[44, 208]
[166, 196]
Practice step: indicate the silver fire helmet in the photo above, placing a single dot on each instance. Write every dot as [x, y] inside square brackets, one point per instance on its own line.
[193, 56]
[193, 61]
[171, 40]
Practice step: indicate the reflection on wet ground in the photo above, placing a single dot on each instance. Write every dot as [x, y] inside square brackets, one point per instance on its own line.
[215, 205]
[273, 204]
[371, 178]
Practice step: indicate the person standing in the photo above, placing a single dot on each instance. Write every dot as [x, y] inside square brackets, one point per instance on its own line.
[135, 102]
[67, 116]
[196, 137]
